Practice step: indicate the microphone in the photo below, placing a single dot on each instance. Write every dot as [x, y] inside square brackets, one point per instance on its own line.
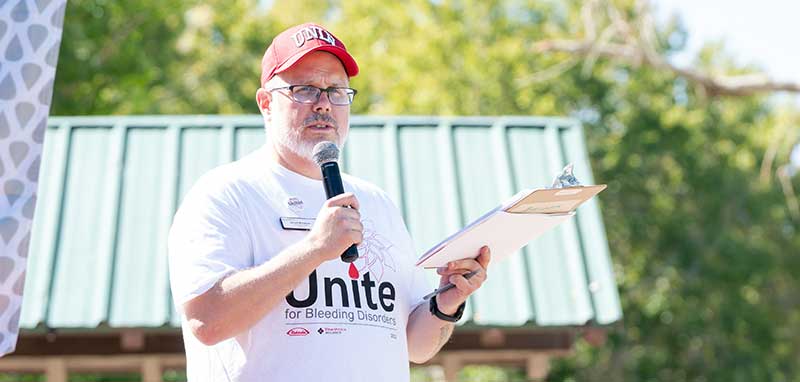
[326, 155]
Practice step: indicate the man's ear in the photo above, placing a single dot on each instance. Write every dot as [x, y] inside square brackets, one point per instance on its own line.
[263, 99]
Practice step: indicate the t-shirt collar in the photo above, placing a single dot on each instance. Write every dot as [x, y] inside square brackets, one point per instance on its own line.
[284, 172]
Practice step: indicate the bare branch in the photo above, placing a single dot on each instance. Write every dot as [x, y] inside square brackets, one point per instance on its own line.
[634, 42]
[584, 47]
[550, 73]
[589, 26]
[770, 154]
[594, 54]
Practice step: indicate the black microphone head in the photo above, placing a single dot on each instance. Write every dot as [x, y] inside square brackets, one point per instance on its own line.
[325, 152]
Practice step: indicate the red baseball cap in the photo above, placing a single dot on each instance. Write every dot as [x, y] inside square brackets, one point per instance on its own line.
[294, 43]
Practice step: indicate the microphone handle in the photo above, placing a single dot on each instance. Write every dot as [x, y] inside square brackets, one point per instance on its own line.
[332, 179]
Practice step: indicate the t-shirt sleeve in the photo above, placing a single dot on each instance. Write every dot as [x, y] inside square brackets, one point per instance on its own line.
[208, 240]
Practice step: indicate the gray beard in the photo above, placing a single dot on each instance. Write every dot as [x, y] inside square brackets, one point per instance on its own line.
[302, 148]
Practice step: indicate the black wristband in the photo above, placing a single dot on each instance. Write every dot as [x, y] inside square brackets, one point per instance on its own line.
[434, 308]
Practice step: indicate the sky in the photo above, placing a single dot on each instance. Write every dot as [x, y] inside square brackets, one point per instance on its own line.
[763, 32]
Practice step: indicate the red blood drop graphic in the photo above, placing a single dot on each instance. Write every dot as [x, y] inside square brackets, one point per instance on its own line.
[353, 271]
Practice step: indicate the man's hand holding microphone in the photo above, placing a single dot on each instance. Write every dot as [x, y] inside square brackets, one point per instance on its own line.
[337, 227]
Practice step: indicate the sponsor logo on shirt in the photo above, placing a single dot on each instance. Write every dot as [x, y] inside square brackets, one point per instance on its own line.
[327, 330]
[295, 204]
[295, 332]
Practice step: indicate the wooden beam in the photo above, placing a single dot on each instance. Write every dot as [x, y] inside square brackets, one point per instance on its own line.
[131, 340]
[543, 340]
[109, 363]
[494, 356]
[170, 341]
[95, 343]
[595, 336]
[132, 362]
[173, 361]
[493, 338]
[13, 363]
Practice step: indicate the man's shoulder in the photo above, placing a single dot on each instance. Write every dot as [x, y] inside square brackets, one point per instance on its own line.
[222, 177]
[228, 179]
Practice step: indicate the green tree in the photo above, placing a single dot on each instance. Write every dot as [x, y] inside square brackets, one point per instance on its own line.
[155, 57]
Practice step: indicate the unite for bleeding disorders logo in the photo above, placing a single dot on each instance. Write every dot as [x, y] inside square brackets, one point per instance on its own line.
[366, 299]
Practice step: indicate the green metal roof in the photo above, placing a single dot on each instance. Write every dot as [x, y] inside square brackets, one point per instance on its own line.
[110, 185]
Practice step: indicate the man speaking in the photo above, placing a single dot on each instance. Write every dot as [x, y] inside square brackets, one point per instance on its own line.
[256, 248]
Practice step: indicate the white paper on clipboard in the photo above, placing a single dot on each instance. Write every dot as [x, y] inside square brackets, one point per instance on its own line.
[506, 232]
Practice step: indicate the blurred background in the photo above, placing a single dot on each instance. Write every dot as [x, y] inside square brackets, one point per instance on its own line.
[689, 109]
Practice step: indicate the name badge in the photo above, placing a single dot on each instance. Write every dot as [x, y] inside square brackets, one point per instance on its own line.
[297, 224]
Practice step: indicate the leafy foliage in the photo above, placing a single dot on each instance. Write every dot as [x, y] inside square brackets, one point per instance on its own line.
[706, 254]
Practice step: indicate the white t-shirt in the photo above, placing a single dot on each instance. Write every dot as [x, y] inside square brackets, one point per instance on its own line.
[336, 325]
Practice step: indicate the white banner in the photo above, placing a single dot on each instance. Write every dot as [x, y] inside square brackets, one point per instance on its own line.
[30, 36]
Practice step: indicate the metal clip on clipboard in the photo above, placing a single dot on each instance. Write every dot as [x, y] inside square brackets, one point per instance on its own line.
[563, 197]
[566, 178]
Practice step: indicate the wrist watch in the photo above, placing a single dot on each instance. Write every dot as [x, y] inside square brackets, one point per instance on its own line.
[434, 308]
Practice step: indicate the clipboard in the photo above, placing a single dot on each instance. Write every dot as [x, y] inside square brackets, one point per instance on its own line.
[512, 225]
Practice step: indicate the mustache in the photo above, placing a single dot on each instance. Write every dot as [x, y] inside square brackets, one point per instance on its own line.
[319, 117]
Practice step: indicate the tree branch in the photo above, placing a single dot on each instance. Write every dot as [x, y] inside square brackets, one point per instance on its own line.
[634, 42]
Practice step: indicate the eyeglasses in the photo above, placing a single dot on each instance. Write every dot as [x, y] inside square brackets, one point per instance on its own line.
[310, 94]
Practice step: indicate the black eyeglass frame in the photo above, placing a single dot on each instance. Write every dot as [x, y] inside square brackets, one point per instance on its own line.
[351, 93]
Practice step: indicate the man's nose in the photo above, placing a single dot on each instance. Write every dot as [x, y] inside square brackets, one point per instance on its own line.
[323, 105]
